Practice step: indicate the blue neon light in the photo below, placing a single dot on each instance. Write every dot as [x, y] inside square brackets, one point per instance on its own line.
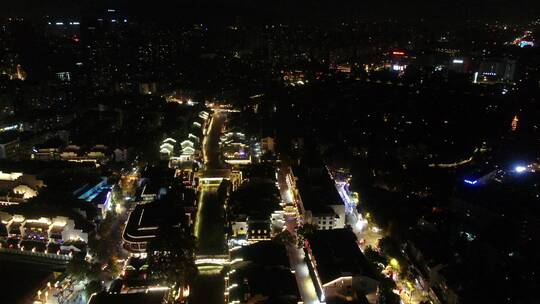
[524, 43]
[470, 182]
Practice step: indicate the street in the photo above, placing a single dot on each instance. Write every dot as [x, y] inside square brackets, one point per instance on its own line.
[296, 255]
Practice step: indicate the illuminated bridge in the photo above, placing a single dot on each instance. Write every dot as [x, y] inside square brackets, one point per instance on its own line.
[214, 177]
[216, 260]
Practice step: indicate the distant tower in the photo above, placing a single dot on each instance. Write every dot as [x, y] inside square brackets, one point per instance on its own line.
[515, 123]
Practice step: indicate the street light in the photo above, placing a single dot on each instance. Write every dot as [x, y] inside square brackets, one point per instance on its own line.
[520, 169]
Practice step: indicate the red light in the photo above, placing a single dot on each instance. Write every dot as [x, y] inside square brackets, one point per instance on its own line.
[398, 53]
[76, 39]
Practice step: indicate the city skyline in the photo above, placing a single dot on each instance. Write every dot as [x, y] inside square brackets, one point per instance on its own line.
[235, 152]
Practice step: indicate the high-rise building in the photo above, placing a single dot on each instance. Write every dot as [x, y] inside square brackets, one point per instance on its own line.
[496, 71]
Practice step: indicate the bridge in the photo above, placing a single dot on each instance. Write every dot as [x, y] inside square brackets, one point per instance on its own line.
[37, 260]
[216, 260]
[214, 177]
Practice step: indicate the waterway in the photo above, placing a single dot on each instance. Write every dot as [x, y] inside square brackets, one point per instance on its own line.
[209, 225]
[209, 228]
[20, 281]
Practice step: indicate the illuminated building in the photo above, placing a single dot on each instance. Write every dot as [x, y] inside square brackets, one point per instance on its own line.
[99, 195]
[141, 228]
[514, 123]
[397, 61]
[64, 76]
[48, 231]
[267, 145]
[258, 230]
[64, 28]
[9, 145]
[496, 71]
[317, 194]
[144, 221]
[235, 148]
[255, 219]
[46, 153]
[19, 187]
[295, 77]
[166, 149]
[239, 227]
[21, 74]
[97, 154]
[147, 88]
[459, 65]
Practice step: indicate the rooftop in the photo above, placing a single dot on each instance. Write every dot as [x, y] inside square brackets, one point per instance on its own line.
[316, 188]
[257, 200]
[144, 221]
[337, 254]
[8, 136]
[268, 253]
[264, 271]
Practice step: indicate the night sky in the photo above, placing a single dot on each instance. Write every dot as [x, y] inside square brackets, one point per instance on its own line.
[450, 11]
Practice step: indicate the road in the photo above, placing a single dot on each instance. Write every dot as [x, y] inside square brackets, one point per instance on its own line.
[74, 293]
[296, 256]
[364, 230]
[209, 223]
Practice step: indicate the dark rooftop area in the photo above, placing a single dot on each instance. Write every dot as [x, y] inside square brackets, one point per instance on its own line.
[145, 219]
[337, 253]
[8, 136]
[264, 271]
[268, 253]
[316, 188]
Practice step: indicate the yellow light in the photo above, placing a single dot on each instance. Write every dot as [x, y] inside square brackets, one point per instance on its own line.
[158, 288]
[410, 285]
[394, 263]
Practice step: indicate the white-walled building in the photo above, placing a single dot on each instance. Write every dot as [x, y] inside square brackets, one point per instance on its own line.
[318, 198]
[18, 186]
[57, 229]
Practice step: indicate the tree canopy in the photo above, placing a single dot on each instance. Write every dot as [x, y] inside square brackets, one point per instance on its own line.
[171, 255]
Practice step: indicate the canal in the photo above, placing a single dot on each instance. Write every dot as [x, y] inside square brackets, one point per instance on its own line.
[209, 223]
